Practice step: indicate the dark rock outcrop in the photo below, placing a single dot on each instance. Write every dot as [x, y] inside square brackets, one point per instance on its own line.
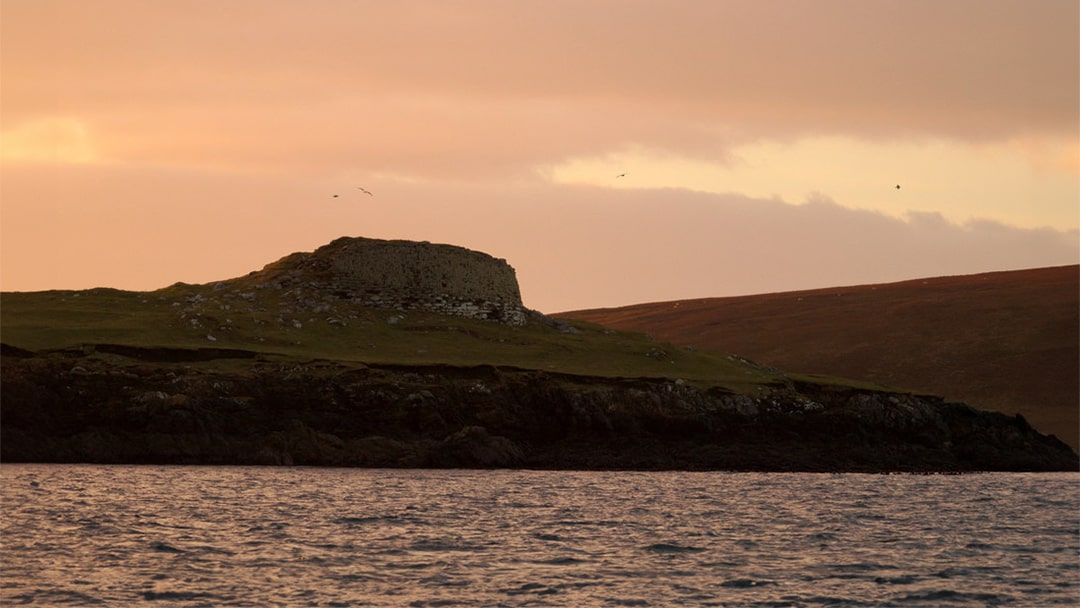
[78, 406]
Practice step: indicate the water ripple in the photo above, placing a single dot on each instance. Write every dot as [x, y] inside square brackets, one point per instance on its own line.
[236, 536]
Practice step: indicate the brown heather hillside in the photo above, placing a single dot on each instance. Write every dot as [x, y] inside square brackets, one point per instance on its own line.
[1004, 341]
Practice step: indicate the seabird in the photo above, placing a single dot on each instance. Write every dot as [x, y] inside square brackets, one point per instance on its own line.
[621, 175]
[364, 191]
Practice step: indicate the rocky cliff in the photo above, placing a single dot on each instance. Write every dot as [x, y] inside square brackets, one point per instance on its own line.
[138, 405]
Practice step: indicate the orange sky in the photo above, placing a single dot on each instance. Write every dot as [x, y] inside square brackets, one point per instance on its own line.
[145, 143]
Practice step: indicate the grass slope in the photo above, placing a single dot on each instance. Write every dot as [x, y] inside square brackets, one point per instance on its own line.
[241, 315]
[1005, 341]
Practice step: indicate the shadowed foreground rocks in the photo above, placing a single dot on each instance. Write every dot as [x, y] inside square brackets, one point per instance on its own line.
[172, 407]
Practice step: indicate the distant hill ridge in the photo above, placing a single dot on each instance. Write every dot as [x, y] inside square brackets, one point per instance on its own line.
[1005, 341]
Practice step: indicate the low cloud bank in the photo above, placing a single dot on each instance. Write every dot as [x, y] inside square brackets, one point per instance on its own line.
[573, 246]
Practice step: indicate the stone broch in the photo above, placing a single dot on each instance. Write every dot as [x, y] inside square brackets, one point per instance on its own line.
[410, 275]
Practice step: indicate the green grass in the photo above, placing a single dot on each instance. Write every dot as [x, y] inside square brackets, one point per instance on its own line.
[271, 322]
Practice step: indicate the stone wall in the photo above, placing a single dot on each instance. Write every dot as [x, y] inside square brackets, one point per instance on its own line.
[408, 275]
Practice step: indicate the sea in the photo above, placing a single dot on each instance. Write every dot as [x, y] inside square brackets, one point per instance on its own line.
[92, 535]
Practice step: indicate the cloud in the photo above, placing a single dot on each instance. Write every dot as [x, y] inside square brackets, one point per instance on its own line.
[495, 88]
[572, 246]
[960, 180]
[577, 247]
[235, 122]
[49, 140]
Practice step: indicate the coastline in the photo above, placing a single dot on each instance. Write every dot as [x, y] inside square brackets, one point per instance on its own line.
[74, 407]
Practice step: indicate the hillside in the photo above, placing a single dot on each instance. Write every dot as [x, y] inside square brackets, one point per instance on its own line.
[1004, 341]
[377, 353]
[362, 301]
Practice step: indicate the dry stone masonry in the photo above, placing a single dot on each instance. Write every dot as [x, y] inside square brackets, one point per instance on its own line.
[407, 275]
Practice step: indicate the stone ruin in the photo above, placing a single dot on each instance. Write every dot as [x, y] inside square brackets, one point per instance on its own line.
[408, 275]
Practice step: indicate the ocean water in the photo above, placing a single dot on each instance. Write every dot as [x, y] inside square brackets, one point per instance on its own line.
[245, 536]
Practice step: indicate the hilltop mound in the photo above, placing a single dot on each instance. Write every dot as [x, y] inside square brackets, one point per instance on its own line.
[401, 275]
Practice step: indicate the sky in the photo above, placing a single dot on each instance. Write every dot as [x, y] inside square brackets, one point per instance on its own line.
[612, 151]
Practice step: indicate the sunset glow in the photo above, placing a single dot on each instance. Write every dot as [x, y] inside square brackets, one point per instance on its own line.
[1010, 181]
[150, 142]
[52, 140]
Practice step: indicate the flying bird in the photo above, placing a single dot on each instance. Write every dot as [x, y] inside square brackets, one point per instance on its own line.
[364, 191]
[621, 175]
[897, 186]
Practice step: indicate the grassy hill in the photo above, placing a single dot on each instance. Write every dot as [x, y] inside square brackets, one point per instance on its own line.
[240, 315]
[1004, 341]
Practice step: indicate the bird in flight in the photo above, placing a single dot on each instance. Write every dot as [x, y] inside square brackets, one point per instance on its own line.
[364, 191]
[897, 186]
[621, 175]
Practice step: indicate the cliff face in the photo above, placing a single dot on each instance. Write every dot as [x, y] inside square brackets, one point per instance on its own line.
[166, 406]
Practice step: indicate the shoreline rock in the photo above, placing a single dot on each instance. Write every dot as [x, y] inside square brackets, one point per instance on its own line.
[77, 407]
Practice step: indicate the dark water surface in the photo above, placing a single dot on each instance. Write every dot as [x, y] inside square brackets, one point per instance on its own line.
[237, 536]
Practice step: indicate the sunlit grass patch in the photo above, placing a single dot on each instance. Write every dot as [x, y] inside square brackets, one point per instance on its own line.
[269, 322]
